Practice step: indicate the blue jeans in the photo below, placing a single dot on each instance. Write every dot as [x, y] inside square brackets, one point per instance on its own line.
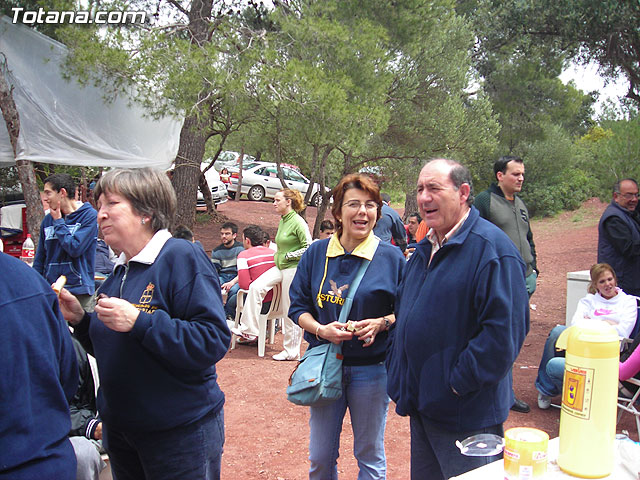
[545, 383]
[364, 392]
[186, 451]
[434, 454]
[232, 294]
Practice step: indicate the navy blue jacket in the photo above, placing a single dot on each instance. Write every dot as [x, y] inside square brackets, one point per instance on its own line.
[619, 246]
[38, 378]
[162, 373]
[67, 246]
[460, 323]
[390, 226]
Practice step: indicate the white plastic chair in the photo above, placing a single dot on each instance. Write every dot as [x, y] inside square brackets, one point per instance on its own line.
[275, 312]
[628, 404]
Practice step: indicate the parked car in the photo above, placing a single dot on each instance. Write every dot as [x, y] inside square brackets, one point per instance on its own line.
[218, 189]
[230, 159]
[260, 180]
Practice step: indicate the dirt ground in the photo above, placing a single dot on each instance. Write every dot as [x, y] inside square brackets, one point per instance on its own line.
[267, 437]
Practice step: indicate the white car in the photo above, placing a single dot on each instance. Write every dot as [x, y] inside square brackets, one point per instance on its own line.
[218, 189]
[260, 180]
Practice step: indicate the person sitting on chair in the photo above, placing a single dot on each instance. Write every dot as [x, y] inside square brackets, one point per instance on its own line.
[605, 302]
[253, 262]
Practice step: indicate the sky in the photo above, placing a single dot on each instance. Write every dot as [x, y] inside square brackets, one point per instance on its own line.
[587, 79]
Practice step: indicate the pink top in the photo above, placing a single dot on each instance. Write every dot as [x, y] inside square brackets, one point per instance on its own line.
[631, 366]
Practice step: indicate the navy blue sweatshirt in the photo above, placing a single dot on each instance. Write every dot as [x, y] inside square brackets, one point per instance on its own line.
[321, 284]
[38, 378]
[67, 246]
[162, 373]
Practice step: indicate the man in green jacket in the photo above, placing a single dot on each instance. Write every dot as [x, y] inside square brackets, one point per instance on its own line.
[501, 206]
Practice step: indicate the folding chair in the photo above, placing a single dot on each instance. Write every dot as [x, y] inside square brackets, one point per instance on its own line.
[274, 312]
[628, 404]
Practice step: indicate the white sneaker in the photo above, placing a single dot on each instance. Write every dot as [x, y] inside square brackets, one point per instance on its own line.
[282, 356]
[544, 401]
[236, 331]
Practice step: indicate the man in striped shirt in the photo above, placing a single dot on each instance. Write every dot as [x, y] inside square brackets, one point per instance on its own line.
[253, 262]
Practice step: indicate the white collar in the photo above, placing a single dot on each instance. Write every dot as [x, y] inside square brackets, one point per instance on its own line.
[150, 251]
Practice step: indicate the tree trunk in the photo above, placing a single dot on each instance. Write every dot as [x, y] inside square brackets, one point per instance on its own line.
[240, 162]
[206, 194]
[186, 175]
[326, 196]
[410, 201]
[27, 177]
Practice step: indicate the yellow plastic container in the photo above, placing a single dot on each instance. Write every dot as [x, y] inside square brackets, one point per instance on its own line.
[589, 399]
[525, 453]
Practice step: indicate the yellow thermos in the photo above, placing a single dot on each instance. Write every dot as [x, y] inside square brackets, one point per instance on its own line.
[589, 399]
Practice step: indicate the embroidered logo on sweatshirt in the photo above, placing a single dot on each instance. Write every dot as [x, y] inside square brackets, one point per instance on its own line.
[334, 295]
[335, 290]
[599, 312]
[147, 295]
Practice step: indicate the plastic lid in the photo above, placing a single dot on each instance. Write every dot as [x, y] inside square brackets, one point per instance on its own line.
[482, 445]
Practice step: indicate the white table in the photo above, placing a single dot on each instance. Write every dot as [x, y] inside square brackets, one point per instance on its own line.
[495, 470]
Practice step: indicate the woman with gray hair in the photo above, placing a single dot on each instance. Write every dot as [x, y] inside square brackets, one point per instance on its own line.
[157, 332]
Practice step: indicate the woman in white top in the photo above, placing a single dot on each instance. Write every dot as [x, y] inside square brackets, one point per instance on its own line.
[606, 302]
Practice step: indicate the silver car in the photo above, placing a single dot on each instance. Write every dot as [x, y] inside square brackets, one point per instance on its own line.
[218, 189]
[260, 180]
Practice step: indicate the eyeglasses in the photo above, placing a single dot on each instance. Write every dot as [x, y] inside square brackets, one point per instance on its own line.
[356, 204]
[628, 196]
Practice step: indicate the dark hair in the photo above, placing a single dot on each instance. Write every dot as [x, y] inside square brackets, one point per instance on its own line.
[266, 238]
[385, 197]
[414, 214]
[230, 226]
[459, 175]
[181, 231]
[502, 162]
[149, 191]
[327, 225]
[596, 272]
[354, 180]
[616, 186]
[58, 181]
[254, 234]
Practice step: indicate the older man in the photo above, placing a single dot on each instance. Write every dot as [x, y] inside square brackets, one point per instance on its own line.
[619, 236]
[462, 315]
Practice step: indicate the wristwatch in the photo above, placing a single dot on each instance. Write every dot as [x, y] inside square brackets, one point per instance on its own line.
[387, 323]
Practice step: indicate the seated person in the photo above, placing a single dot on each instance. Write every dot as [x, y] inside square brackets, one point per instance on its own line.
[86, 428]
[605, 302]
[256, 259]
[105, 261]
[184, 232]
[327, 228]
[225, 258]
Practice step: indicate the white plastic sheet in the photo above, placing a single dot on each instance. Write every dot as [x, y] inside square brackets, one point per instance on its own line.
[65, 123]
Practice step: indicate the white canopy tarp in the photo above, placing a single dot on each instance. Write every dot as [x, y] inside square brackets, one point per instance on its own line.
[65, 123]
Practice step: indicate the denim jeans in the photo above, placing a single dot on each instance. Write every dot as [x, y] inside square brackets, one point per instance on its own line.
[545, 383]
[364, 392]
[434, 454]
[232, 294]
[186, 451]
